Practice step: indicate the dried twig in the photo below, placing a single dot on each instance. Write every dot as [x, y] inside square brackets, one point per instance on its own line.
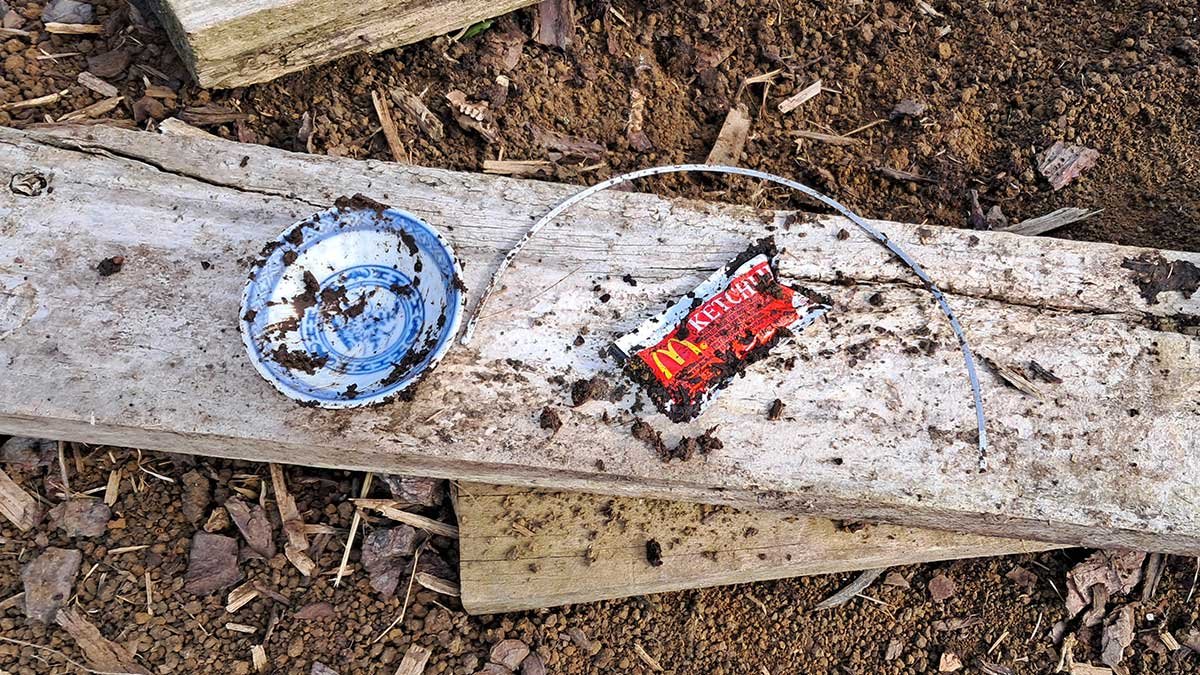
[830, 139]
[16, 505]
[74, 28]
[384, 113]
[293, 525]
[1051, 221]
[354, 522]
[390, 509]
[852, 589]
[799, 98]
[63, 656]
[650, 661]
[407, 595]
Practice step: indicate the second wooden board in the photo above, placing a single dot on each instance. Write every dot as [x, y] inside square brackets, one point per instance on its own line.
[523, 548]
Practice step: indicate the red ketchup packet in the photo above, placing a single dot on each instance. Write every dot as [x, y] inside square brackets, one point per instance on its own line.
[695, 347]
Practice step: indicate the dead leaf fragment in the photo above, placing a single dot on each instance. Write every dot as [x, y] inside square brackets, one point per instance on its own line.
[101, 653]
[949, 663]
[212, 564]
[48, 580]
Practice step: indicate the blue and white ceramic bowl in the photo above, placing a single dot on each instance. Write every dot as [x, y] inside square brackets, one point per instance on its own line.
[352, 305]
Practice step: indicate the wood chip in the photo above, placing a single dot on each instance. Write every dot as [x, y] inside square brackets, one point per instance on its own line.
[209, 115]
[829, 139]
[14, 32]
[241, 628]
[414, 661]
[16, 504]
[293, 525]
[388, 124]
[1062, 163]
[727, 150]
[949, 663]
[101, 653]
[1117, 636]
[650, 662]
[555, 26]
[860, 584]
[438, 584]
[48, 99]
[174, 126]
[128, 549]
[1051, 221]
[421, 114]
[258, 655]
[94, 110]
[74, 28]
[391, 509]
[160, 91]
[113, 488]
[525, 168]
[1015, 378]
[799, 98]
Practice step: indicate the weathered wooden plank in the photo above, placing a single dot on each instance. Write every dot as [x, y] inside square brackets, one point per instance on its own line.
[878, 424]
[230, 44]
[524, 548]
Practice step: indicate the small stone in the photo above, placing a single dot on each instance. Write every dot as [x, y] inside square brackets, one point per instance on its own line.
[509, 653]
[196, 496]
[68, 11]
[1022, 577]
[941, 587]
[493, 669]
[48, 580]
[908, 108]
[12, 19]
[319, 668]
[81, 517]
[212, 564]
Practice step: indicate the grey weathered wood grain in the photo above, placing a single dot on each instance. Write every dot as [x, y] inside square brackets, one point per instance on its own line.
[231, 44]
[878, 423]
[524, 548]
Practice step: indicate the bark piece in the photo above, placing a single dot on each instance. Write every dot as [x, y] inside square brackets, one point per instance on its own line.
[196, 496]
[81, 517]
[16, 504]
[416, 490]
[385, 555]
[1022, 577]
[1117, 571]
[28, 452]
[509, 653]
[1118, 635]
[555, 25]
[1062, 163]
[316, 611]
[411, 104]
[252, 521]
[388, 124]
[731, 139]
[96, 109]
[109, 64]
[101, 653]
[533, 665]
[212, 564]
[48, 580]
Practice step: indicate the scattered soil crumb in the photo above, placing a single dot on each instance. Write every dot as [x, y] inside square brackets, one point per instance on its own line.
[586, 390]
[549, 419]
[654, 553]
[776, 410]
[688, 446]
[110, 266]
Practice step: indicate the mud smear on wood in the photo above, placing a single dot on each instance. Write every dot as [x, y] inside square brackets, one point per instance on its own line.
[1154, 274]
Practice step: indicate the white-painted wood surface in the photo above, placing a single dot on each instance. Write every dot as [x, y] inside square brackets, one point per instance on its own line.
[878, 424]
[231, 44]
[524, 548]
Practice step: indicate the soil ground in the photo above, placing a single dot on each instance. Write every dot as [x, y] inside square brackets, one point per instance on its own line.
[1000, 82]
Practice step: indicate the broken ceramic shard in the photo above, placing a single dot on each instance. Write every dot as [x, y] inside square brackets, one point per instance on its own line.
[694, 348]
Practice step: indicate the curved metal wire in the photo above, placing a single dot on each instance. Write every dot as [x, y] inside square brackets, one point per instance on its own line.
[968, 356]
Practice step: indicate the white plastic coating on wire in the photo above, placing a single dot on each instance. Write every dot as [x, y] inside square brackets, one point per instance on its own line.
[878, 236]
